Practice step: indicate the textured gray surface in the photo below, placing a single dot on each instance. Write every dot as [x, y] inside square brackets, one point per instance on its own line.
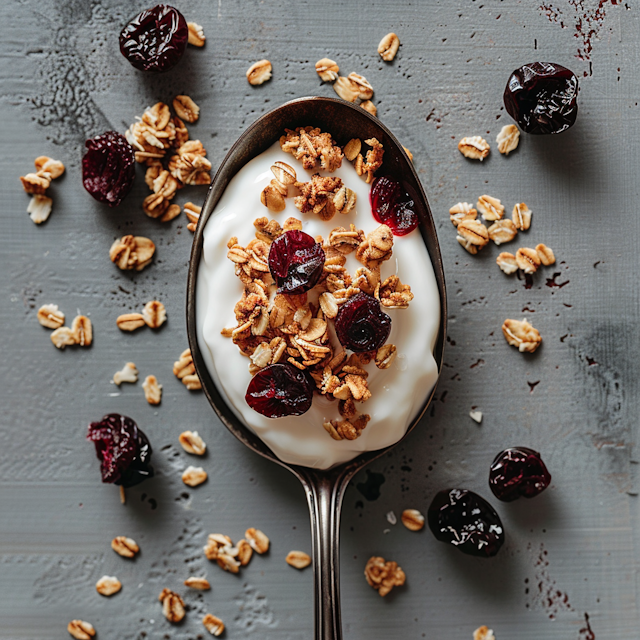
[570, 552]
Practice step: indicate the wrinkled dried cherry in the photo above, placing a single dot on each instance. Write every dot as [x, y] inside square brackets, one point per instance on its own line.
[108, 168]
[155, 39]
[361, 325]
[280, 390]
[516, 472]
[467, 521]
[393, 206]
[123, 449]
[542, 97]
[296, 261]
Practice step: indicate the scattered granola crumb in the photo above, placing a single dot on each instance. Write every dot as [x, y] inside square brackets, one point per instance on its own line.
[186, 108]
[298, 559]
[132, 252]
[154, 314]
[172, 605]
[213, 625]
[259, 72]
[527, 259]
[81, 630]
[258, 540]
[383, 575]
[412, 519]
[128, 373]
[130, 321]
[196, 34]
[507, 262]
[152, 390]
[521, 216]
[521, 334]
[108, 585]
[39, 208]
[388, 47]
[192, 443]
[367, 105]
[483, 633]
[185, 371]
[50, 316]
[125, 547]
[201, 584]
[474, 148]
[491, 208]
[62, 337]
[194, 476]
[476, 416]
[508, 139]
[327, 70]
[545, 254]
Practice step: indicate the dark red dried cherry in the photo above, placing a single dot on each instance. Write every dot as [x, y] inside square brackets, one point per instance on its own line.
[467, 521]
[108, 168]
[361, 325]
[518, 471]
[296, 261]
[280, 390]
[155, 39]
[393, 206]
[123, 449]
[542, 97]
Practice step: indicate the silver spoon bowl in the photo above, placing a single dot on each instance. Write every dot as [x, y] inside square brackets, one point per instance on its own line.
[324, 488]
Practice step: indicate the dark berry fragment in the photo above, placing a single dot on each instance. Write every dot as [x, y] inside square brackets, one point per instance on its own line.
[108, 168]
[155, 39]
[361, 325]
[296, 261]
[393, 206]
[280, 390]
[467, 521]
[518, 471]
[123, 450]
[542, 97]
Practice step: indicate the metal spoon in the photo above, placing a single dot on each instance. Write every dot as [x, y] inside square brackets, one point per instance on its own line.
[324, 488]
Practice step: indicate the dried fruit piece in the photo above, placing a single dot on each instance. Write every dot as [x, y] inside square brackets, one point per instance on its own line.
[125, 547]
[516, 472]
[521, 334]
[39, 208]
[507, 262]
[383, 575]
[152, 390]
[50, 316]
[393, 206]
[542, 97]
[259, 72]
[192, 443]
[172, 605]
[521, 216]
[194, 476]
[474, 148]
[201, 584]
[108, 168]
[508, 139]
[130, 321]
[545, 254]
[213, 625]
[155, 39]
[462, 211]
[296, 262]
[388, 47]
[186, 108]
[196, 35]
[298, 559]
[82, 331]
[123, 449]
[280, 390]
[412, 519]
[81, 630]
[108, 585]
[467, 521]
[491, 208]
[502, 231]
[361, 325]
[258, 541]
[527, 259]
[327, 70]
[346, 89]
[128, 373]
[154, 314]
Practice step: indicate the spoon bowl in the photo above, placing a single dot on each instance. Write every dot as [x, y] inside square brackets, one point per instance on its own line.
[324, 489]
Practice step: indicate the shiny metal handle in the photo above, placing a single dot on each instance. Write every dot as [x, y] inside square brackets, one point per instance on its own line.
[324, 496]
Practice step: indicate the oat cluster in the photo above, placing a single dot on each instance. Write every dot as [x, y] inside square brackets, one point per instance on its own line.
[132, 252]
[383, 575]
[230, 557]
[313, 148]
[521, 334]
[37, 183]
[80, 333]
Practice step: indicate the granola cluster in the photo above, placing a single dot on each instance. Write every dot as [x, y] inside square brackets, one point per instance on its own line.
[37, 183]
[230, 557]
[312, 147]
[383, 575]
[277, 328]
[161, 141]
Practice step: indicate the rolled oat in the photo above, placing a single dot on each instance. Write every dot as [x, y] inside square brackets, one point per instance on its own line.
[192, 443]
[125, 547]
[388, 47]
[50, 316]
[327, 70]
[259, 72]
[128, 373]
[474, 148]
[412, 519]
[528, 259]
[39, 208]
[521, 216]
[298, 559]
[194, 476]
[545, 254]
[152, 390]
[196, 34]
[508, 139]
[462, 211]
[186, 108]
[491, 208]
[108, 585]
[507, 262]
[346, 89]
[154, 314]
[81, 630]
[201, 584]
[213, 625]
[502, 231]
[258, 540]
[521, 334]
[130, 321]
[172, 605]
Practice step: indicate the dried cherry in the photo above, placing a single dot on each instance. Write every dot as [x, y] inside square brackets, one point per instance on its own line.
[467, 521]
[393, 206]
[280, 390]
[516, 472]
[542, 97]
[123, 449]
[361, 325]
[296, 261]
[155, 39]
[108, 168]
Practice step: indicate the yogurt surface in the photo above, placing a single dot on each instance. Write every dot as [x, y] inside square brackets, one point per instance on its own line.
[398, 392]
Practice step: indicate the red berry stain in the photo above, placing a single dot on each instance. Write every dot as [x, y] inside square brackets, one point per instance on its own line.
[551, 282]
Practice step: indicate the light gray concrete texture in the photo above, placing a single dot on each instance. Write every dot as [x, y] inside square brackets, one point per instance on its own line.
[570, 553]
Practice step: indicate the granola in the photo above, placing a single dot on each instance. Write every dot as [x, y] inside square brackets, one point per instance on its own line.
[172, 605]
[508, 139]
[310, 145]
[383, 575]
[50, 316]
[317, 196]
[194, 476]
[462, 211]
[186, 108]
[200, 584]
[521, 334]
[491, 208]
[125, 547]
[474, 148]
[132, 252]
[152, 390]
[185, 371]
[388, 47]
[213, 624]
[327, 70]
[259, 72]
[192, 443]
[39, 208]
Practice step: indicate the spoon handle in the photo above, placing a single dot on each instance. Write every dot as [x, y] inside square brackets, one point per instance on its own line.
[325, 492]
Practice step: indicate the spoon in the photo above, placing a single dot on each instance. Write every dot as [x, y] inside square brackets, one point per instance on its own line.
[324, 489]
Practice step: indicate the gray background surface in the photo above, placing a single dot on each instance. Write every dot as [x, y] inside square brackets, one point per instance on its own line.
[569, 553]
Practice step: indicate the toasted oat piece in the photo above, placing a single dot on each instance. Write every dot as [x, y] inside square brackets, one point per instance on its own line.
[62, 337]
[483, 633]
[172, 605]
[213, 625]
[130, 321]
[507, 262]
[186, 109]
[152, 390]
[491, 208]
[128, 373]
[521, 216]
[365, 90]
[81, 630]
[385, 355]
[383, 575]
[474, 148]
[412, 519]
[312, 147]
[173, 211]
[272, 197]
[528, 259]
[521, 334]
[298, 559]
[389, 46]
[48, 167]
[125, 547]
[196, 34]
[502, 231]
[352, 149]
[132, 252]
[192, 443]
[39, 208]
[108, 585]
[82, 331]
[474, 233]
[201, 584]
[192, 211]
[258, 540]
[35, 184]
[346, 89]
[462, 211]
[327, 70]
[185, 371]
[367, 105]
[194, 476]
[408, 153]
[50, 316]
[259, 72]
[545, 254]
[154, 314]
[508, 139]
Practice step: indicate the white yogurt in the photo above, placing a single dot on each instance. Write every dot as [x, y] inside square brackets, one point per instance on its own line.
[398, 393]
